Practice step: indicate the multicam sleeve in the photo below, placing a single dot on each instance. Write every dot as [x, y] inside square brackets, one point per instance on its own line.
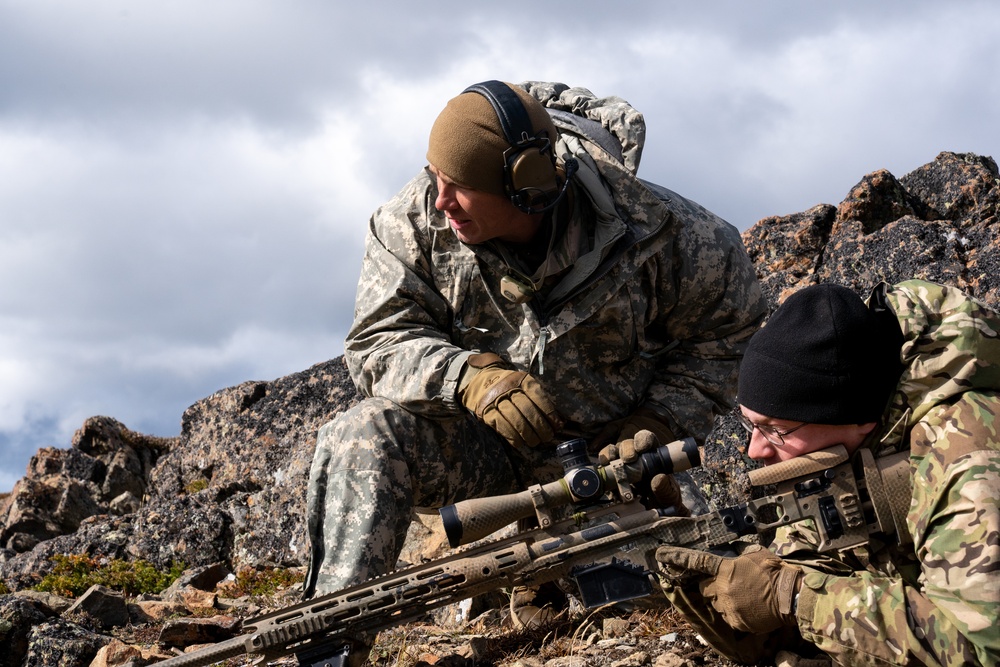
[948, 616]
[399, 345]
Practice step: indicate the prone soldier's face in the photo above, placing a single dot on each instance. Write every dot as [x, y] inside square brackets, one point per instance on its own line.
[798, 438]
[477, 217]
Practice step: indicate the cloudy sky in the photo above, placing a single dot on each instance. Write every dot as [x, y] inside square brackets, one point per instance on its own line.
[184, 184]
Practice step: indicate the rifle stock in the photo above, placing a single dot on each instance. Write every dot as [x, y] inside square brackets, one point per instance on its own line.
[607, 545]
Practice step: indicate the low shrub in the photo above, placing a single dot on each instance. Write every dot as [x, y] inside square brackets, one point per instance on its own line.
[73, 574]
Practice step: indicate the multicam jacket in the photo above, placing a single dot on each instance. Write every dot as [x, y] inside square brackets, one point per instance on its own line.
[935, 602]
[653, 308]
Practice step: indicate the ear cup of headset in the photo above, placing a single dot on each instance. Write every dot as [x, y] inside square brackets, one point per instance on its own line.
[532, 177]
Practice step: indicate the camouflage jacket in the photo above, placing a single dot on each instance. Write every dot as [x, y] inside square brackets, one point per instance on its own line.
[655, 309]
[934, 602]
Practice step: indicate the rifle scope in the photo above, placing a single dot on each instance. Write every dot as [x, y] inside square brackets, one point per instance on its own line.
[583, 482]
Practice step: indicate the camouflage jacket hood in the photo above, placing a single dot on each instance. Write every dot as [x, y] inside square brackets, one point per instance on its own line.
[657, 312]
[951, 345]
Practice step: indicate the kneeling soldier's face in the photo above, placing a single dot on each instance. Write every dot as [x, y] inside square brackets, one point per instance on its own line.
[477, 217]
[773, 440]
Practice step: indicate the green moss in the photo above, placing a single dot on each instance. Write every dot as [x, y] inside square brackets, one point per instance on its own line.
[197, 485]
[74, 574]
[267, 581]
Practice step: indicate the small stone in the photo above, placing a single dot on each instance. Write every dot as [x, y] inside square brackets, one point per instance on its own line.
[637, 659]
[615, 627]
[187, 631]
[106, 606]
[155, 611]
[115, 654]
[670, 660]
[567, 661]
[48, 602]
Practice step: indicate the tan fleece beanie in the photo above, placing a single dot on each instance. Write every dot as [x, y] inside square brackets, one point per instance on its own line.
[467, 141]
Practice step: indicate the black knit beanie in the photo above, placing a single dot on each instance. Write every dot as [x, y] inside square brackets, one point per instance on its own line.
[823, 357]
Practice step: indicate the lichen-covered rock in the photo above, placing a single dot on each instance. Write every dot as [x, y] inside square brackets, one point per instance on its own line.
[188, 631]
[939, 222]
[958, 186]
[247, 450]
[17, 617]
[786, 250]
[60, 643]
[105, 471]
[105, 606]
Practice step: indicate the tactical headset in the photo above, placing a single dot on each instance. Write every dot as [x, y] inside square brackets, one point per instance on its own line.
[531, 179]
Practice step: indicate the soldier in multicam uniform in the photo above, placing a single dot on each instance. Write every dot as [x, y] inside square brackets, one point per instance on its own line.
[489, 328]
[918, 369]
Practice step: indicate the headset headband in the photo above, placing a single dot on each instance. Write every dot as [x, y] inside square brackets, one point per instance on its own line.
[509, 109]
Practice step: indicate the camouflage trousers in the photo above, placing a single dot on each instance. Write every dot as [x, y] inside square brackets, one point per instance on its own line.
[376, 463]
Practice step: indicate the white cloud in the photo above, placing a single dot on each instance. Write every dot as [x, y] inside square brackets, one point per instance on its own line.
[215, 254]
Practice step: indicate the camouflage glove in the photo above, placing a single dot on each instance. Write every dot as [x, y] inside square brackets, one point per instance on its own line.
[754, 592]
[510, 402]
[639, 434]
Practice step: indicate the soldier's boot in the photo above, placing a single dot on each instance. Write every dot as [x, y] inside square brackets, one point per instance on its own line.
[532, 608]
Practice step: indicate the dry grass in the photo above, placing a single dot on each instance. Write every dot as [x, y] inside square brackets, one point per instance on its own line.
[596, 638]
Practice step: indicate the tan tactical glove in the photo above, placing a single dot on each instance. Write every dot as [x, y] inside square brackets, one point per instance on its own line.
[643, 432]
[511, 402]
[754, 592]
[740, 647]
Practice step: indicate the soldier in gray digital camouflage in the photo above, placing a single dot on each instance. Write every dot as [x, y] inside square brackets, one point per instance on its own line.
[523, 289]
[917, 369]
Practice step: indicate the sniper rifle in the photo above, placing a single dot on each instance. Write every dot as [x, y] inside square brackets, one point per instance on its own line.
[593, 529]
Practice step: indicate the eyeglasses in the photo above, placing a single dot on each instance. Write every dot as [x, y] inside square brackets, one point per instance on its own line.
[771, 434]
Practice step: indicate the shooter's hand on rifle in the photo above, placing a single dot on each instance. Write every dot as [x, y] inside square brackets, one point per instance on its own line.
[754, 592]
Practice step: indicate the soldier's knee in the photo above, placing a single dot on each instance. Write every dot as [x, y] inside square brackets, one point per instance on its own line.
[375, 424]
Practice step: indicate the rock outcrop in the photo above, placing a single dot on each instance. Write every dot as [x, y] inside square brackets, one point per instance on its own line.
[938, 222]
[106, 470]
[231, 488]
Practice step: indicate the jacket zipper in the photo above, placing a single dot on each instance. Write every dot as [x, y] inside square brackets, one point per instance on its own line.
[543, 337]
